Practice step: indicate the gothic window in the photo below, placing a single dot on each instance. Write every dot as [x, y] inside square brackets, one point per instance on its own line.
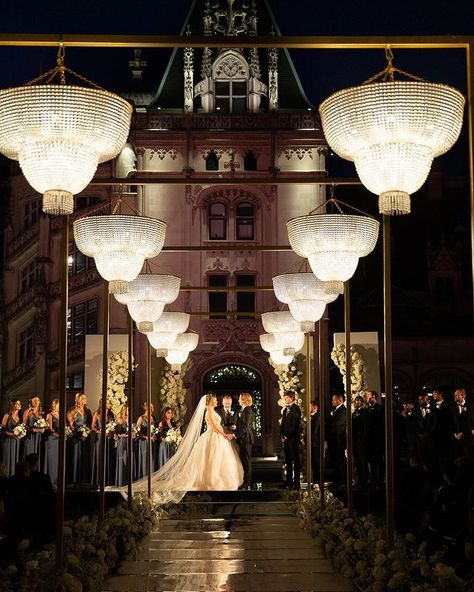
[245, 221]
[212, 161]
[217, 221]
[29, 275]
[78, 262]
[82, 320]
[26, 344]
[245, 299]
[250, 161]
[217, 300]
[31, 213]
[231, 96]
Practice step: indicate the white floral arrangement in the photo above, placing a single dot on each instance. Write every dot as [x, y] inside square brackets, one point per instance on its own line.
[41, 423]
[173, 390]
[110, 428]
[68, 432]
[83, 431]
[173, 436]
[20, 430]
[117, 377]
[135, 429]
[154, 430]
[289, 380]
[358, 368]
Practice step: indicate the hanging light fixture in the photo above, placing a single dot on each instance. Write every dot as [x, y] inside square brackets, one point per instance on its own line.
[333, 243]
[392, 130]
[60, 133]
[277, 355]
[119, 244]
[305, 295]
[184, 344]
[286, 331]
[147, 296]
[166, 330]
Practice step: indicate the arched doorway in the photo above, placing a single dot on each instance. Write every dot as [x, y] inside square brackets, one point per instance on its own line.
[233, 379]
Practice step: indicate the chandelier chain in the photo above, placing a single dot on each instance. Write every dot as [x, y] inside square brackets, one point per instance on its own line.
[388, 73]
[338, 203]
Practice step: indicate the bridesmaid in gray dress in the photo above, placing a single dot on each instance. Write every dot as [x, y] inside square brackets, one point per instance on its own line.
[109, 446]
[166, 424]
[121, 464]
[34, 436]
[78, 417]
[50, 466]
[142, 432]
[11, 443]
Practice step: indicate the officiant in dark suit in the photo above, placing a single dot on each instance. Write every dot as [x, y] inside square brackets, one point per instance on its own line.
[244, 436]
[290, 430]
[228, 414]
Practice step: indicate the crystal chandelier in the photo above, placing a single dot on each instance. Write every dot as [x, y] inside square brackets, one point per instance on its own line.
[286, 331]
[60, 133]
[277, 355]
[166, 329]
[392, 130]
[184, 344]
[305, 295]
[119, 244]
[333, 243]
[147, 296]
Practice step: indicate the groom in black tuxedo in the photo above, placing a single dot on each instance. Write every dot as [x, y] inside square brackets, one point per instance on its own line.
[290, 433]
[244, 436]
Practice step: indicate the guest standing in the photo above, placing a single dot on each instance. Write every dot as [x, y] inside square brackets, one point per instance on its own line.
[80, 421]
[462, 425]
[337, 440]
[315, 447]
[376, 445]
[51, 445]
[11, 443]
[290, 431]
[166, 424]
[33, 438]
[360, 440]
[121, 457]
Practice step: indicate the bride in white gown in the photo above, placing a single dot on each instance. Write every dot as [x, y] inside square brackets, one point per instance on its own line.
[203, 462]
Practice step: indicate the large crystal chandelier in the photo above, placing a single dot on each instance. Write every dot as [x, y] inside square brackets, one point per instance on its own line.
[392, 130]
[333, 243]
[305, 295]
[183, 345]
[277, 355]
[119, 244]
[166, 329]
[60, 133]
[147, 296]
[286, 331]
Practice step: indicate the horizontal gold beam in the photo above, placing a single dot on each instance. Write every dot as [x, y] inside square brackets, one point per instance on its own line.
[226, 289]
[143, 180]
[290, 42]
[230, 313]
[223, 247]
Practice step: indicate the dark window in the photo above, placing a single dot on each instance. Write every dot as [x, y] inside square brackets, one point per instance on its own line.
[245, 221]
[29, 275]
[250, 161]
[212, 162]
[82, 320]
[231, 96]
[75, 382]
[245, 300]
[85, 201]
[31, 213]
[217, 300]
[78, 262]
[217, 221]
[26, 345]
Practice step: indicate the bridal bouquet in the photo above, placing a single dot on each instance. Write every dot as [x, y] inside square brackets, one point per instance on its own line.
[68, 432]
[41, 423]
[154, 430]
[83, 431]
[110, 428]
[20, 430]
[173, 436]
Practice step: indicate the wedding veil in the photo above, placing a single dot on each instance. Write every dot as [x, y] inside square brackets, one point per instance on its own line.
[177, 476]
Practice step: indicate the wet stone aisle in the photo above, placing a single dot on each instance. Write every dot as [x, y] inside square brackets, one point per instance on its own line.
[246, 544]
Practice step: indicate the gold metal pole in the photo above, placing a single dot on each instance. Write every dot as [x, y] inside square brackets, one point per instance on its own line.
[149, 418]
[144, 179]
[130, 413]
[224, 248]
[347, 330]
[470, 112]
[226, 288]
[322, 409]
[308, 409]
[387, 308]
[62, 321]
[103, 407]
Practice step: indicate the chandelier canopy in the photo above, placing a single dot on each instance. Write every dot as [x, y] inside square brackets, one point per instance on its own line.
[60, 133]
[333, 244]
[392, 130]
[166, 329]
[147, 296]
[305, 295]
[185, 343]
[278, 356]
[119, 244]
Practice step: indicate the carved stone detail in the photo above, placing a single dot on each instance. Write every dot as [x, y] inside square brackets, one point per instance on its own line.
[24, 238]
[230, 66]
[162, 152]
[20, 373]
[299, 152]
[273, 79]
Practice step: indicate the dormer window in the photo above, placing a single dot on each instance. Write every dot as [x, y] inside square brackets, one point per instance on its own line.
[231, 96]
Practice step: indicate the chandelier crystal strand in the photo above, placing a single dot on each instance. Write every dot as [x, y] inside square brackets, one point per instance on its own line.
[392, 130]
[166, 330]
[119, 244]
[333, 244]
[60, 134]
[184, 344]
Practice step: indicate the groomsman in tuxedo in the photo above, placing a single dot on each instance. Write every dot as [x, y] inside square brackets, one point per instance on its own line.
[315, 431]
[337, 440]
[227, 414]
[443, 410]
[462, 426]
[426, 429]
[245, 438]
[376, 444]
[360, 441]
[290, 437]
